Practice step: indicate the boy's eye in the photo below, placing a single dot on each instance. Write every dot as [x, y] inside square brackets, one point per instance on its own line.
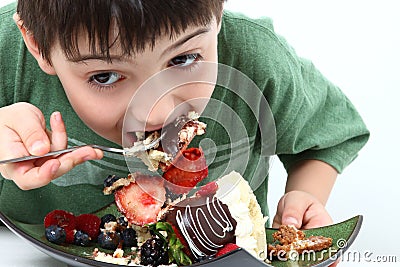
[184, 60]
[106, 78]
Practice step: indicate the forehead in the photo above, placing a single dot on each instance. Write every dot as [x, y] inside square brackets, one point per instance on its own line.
[130, 33]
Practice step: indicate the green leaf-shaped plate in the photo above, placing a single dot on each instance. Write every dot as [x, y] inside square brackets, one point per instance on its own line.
[343, 235]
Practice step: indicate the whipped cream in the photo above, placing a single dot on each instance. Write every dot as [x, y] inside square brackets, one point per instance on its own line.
[236, 193]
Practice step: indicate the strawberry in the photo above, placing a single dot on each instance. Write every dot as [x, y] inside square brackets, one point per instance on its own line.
[188, 170]
[88, 223]
[141, 201]
[61, 218]
[178, 234]
[207, 189]
[227, 248]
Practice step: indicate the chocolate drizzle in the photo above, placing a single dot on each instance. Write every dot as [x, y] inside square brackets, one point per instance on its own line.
[205, 223]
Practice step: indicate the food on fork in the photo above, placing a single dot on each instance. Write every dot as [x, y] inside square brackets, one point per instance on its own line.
[176, 136]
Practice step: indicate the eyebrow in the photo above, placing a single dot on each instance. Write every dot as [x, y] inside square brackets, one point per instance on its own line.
[84, 58]
[185, 39]
[172, 47]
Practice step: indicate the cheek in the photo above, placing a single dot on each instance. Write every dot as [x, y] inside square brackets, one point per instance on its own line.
[100, 111]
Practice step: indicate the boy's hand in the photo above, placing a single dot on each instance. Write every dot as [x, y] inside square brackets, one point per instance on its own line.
[302, 210]
[23, 132]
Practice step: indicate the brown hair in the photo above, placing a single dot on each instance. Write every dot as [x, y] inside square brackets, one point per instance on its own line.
[139, 22]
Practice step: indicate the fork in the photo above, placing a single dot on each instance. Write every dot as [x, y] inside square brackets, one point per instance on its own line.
[132, 151]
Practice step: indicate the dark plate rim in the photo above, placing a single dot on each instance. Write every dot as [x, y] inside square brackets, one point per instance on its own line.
[82, 261]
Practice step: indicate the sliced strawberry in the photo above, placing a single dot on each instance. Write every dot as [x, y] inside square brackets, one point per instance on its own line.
[178, 234]
[227, 248]
[88, 223]
[61, 218]
[189, 169]
[141, 201]
[208, 189]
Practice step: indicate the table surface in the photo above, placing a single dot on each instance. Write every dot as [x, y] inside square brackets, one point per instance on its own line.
[27, 255]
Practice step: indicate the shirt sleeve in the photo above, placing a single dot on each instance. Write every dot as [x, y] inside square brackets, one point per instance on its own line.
[314, 118]
[324, 125]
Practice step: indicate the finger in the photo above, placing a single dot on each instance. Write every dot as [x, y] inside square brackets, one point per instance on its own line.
[277, 221]
[316, 216]
[27, 177]
[58, 134]
[293, 210]
[32, 132]
[70, 160]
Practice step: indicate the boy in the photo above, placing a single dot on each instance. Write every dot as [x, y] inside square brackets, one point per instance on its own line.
[94, 56]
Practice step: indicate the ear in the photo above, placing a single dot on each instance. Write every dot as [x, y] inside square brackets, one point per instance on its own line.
[31, 44]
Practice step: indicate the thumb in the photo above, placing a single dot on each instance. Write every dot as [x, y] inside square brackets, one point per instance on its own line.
[294, 206]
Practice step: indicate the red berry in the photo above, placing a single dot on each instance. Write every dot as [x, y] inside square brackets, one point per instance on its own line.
[141, 201]
[60, 218]
[208, 189]
[178, 234]
[188, 170]
[227, 248]
[88, 223]
[70, 236]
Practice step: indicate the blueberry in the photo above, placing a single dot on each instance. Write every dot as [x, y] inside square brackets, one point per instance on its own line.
[108, 240]
[129, 237]
[122, 221]
[55, 234]
[81, 239]
[106, 219]
[110, 180]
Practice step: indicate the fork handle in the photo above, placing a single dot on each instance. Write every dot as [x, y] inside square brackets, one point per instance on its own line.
[109, 149]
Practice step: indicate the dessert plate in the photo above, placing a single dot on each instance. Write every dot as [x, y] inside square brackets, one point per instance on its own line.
[343, 235]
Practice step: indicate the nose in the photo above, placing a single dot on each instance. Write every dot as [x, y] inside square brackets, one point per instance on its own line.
[142, 116]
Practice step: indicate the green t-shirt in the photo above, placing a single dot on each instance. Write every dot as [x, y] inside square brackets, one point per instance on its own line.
[268, 101]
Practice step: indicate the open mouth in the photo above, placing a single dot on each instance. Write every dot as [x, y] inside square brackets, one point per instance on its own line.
[175, 137]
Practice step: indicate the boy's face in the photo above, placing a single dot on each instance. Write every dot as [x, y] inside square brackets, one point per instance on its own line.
[100, 91]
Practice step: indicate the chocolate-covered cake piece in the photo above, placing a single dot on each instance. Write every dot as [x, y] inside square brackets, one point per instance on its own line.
[204, 222]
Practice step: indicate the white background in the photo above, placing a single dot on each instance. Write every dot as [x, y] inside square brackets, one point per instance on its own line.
[356, 44]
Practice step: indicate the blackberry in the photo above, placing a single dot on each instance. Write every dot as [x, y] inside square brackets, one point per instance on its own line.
[129, 237]
[55, 234]
[110, 180]
[122, 221]
[154, 252]
[106, 219]
[81, 239]
[109, 240]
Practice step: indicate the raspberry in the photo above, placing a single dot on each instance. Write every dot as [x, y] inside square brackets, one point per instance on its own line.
[70, 236]
[88, 223]
[60, 218]
[227, 248]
